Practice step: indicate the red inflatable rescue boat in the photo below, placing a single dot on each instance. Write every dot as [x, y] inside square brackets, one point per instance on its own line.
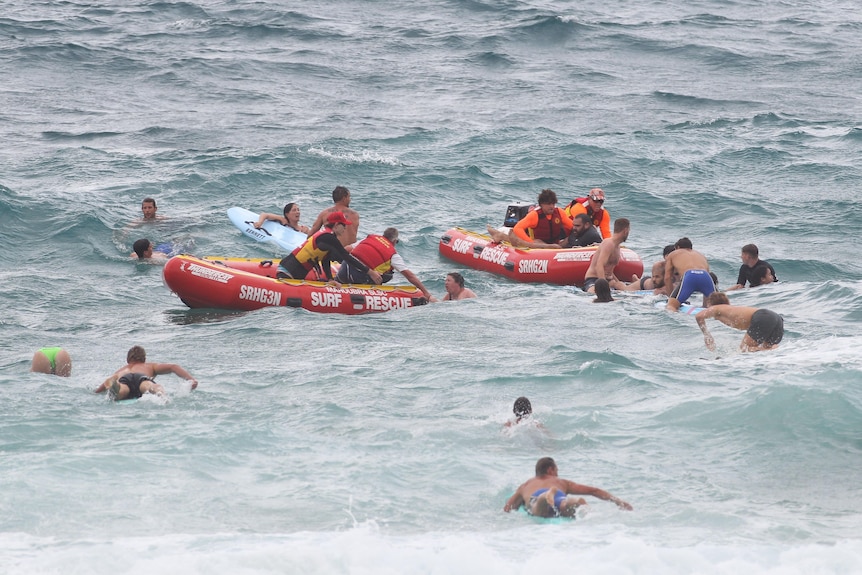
[563, 267]
[207, 284]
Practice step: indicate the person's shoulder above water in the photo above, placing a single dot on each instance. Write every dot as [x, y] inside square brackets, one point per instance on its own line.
[149, 210]
[751, 272]
[455, 288]
[144, 250]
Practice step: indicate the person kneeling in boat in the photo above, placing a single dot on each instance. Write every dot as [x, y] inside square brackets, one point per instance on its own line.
[546, 494]
[378, 253]
[135, 378]
[764, 328]
[545, 226]
[322, 248]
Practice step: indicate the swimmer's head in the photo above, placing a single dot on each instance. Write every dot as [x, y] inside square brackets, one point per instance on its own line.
[522, 407]
[545, 465]
[717, 298]
[683, 243]
[142, 247]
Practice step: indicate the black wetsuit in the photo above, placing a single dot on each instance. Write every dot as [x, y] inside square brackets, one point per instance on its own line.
[588, 238]
[745, 273]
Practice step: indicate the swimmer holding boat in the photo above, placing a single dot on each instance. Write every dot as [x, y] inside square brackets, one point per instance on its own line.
[547, 495]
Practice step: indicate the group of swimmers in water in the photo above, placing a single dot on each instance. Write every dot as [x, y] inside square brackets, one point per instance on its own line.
[331, 238]
[682, 272]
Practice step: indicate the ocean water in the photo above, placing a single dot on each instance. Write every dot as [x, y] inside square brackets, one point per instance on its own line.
[376, 444]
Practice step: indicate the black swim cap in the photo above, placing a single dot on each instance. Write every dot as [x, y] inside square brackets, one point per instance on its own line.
[522, 407]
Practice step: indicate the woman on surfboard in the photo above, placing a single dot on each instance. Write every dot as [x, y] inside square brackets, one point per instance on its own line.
[289, 219]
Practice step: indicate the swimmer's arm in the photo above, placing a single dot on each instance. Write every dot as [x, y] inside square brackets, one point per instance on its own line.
[353, 229]
[514, 502]
[412, 278]
[668, 280]
[578, 489]
[603, 254]
[161, 368]
[318, 223]
[105, 385]
[271, 217]
[528, 222]
[701, 318]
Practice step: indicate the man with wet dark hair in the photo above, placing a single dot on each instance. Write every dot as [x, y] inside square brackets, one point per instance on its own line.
[341, 203]
[143, 250]
[750, 270]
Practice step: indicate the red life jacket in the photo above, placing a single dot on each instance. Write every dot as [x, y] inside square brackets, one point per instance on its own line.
[596, 215]
[308, 254]
[375, 252]
[549, 230]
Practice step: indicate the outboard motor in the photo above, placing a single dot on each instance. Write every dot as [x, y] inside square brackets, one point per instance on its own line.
[515, 212]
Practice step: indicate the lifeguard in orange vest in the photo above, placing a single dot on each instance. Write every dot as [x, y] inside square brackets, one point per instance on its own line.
[545, 226]
[593, 206]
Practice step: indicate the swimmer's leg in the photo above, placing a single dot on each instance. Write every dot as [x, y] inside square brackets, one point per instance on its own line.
[150, 386]
[496, 234]
[118, 391]
[570, 506]
[63, 364]
[41, 363]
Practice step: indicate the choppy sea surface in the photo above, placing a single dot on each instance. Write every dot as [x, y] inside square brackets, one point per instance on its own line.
[376, 444]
